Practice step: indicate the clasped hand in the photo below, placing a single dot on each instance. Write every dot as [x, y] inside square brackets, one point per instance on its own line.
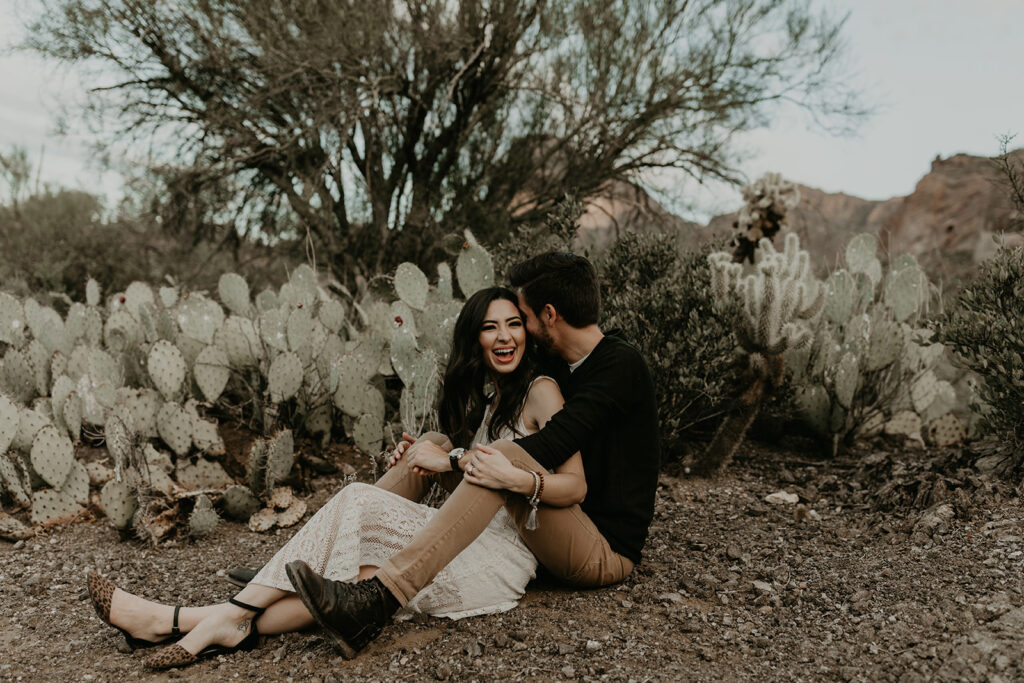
[484, 466]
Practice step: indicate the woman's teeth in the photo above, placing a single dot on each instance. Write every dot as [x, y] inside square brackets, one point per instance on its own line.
[504, 354]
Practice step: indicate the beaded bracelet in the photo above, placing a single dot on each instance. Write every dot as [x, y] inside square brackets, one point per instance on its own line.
[534, 500]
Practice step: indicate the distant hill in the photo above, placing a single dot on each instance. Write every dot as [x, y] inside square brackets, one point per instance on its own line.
[947, 222]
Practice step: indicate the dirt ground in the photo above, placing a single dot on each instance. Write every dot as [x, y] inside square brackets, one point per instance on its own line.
[733, 587]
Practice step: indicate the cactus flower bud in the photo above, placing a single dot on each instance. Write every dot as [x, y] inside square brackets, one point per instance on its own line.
[465, 245]
[121, 298]
[398, 319]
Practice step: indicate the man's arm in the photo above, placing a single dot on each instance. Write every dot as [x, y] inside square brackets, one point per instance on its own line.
[601, 398]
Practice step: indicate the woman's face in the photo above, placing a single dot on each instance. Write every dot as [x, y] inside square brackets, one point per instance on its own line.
[503, 336]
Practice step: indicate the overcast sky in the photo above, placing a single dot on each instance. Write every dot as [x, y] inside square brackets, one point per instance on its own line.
[945, 76]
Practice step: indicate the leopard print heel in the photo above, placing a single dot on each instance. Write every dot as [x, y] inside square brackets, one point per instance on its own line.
[101, 592]
[170, 657]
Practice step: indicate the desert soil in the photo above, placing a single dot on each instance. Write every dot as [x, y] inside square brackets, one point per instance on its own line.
[839, 586]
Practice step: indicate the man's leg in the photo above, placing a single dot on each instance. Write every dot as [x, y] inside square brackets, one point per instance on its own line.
[565, 541]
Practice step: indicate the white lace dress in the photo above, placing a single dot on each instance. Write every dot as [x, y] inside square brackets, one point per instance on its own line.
[365, 525]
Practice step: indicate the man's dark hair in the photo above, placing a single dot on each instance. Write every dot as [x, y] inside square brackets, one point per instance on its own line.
[566, 281]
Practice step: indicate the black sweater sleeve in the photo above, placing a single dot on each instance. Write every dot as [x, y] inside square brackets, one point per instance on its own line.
[600, 393]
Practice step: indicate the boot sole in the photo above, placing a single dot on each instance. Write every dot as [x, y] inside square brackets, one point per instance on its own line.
[347, 651]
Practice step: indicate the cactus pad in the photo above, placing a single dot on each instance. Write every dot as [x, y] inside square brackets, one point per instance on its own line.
[211, 371]
[18, 378]
[12, 321]
[861, 257]
[238, 338]
[273, 326]
[76, 486]
[234, 293]
[263, 520]
[11, 480]
[332, 315]
[905, 291]
[411, 285]
[267, 301]
[199, 317]
[258, 467]
[474, 269]
[168, 296]
[92, 292]
[49, 505]
[284, 377]
[280, 455]
[368, 433]
[293, 514]
[30, 422]
[174, 425]
[205, 474]
[239, 503]
[203, 519]
[904, 423]
[121, 332]
[9, 419]
[947, 430]
[167, 369]
[206, 437]
[52, 455]
[118, 503]
[846, 380]
[924, 390]
[445, 292]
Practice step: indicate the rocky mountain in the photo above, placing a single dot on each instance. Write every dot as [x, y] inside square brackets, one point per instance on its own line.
[948, 222]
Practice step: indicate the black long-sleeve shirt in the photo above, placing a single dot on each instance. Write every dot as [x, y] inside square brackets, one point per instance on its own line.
[611, 417]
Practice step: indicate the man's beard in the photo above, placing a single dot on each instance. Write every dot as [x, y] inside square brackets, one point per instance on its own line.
[545, 344]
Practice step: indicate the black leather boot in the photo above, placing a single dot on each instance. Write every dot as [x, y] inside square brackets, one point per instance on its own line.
[353, 614]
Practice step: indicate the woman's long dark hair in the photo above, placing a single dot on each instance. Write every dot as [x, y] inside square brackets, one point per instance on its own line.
[463, 400]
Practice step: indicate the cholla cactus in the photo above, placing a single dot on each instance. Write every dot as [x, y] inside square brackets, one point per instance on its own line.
[768, 200]
[779, 299]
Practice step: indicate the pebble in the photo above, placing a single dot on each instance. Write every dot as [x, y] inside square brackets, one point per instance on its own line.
[565, 649]
[593, 645]
[443, 672]
[627, 604]
[568, 671]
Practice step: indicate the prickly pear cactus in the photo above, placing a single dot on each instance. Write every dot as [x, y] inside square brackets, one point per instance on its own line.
[280, 456]
[52, 455]
[175, 427]
[203, 519]
[474, 267]
[234, 293]
[411, 285]
[9, 419]
[368, 432]
[211, 371]
[284, 377]
[167, 369]
[12, 321]
[118, 502]
[49, 506]
[239, 503]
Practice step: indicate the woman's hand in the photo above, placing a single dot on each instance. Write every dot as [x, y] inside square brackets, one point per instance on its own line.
[426, 457]
[488, 467]
[400, 448]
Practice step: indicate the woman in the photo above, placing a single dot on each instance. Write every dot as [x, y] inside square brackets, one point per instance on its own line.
[364, 525]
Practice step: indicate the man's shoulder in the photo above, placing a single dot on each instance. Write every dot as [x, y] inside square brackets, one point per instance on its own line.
[617, 348]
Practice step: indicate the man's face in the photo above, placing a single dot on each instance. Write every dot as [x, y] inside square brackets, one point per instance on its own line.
[537, 329]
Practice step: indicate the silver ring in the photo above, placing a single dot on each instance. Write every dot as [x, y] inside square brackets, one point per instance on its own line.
[469, 470]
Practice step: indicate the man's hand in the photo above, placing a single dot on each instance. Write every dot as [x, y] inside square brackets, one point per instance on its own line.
[488, 467]
[426, 457]
[400, 448]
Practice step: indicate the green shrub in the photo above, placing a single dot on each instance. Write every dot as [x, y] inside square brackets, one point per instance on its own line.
[662, 302]
[985, 328]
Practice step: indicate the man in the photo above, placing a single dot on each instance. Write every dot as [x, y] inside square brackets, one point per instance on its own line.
[609, 416]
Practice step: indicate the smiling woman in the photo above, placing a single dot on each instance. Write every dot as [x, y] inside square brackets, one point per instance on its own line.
[490, 348]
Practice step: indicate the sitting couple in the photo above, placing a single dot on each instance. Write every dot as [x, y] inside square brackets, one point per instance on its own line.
[568, 483]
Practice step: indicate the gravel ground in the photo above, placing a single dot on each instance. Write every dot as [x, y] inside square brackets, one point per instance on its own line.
[733, 587]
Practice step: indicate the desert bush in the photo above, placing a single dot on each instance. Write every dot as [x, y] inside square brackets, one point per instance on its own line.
[985, 329]
[662, 301]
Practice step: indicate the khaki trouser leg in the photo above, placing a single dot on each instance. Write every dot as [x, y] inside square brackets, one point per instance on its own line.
[401, 480]
[565, 541]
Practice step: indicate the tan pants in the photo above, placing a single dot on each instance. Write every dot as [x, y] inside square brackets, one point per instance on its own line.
[565, 541]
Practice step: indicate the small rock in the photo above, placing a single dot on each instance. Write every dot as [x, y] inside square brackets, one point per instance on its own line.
[626, 604]
[782, 498]
[501, 640]
[860, 595]
[734, 552]
[474, 648]
[674, 598]
[518, 635]
[568, 671]
[763, 587]
[593, 645]
[279, 653]
[443, 672]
